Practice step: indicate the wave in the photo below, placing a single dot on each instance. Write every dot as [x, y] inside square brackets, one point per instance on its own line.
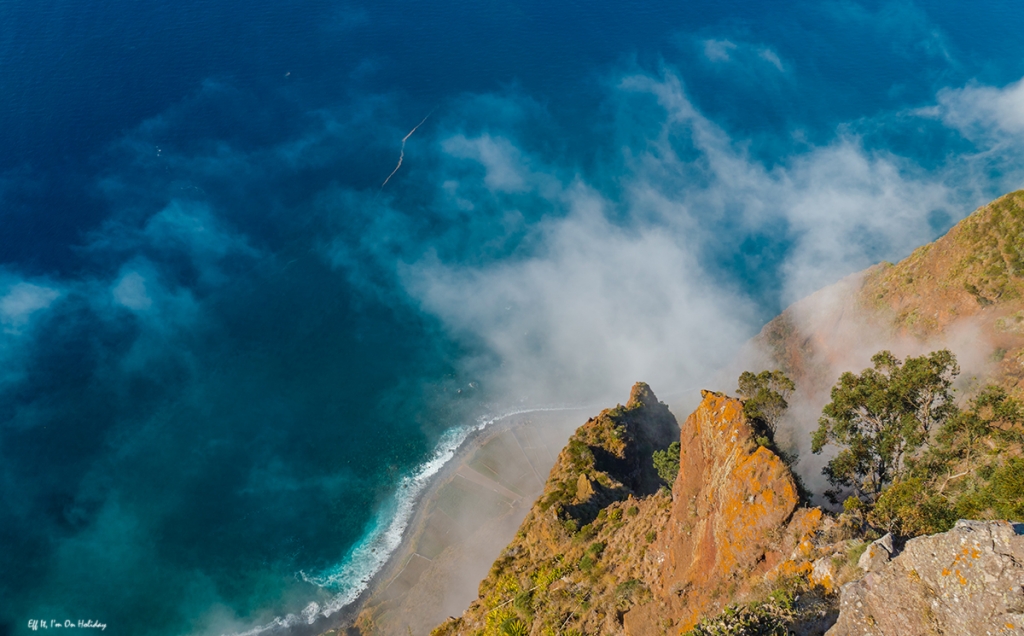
[351, 577]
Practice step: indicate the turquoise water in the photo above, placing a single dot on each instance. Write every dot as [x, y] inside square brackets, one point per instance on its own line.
[231, 357]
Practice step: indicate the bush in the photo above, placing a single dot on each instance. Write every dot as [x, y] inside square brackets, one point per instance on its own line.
[587, 563]
[907, 508]
[514, 627]
[632, 511]
[666, 463]
[1007, 490]
[768, 618]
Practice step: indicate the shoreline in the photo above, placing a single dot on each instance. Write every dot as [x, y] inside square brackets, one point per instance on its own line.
[343, 621]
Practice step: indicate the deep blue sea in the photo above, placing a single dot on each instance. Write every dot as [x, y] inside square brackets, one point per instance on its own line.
[231, 354]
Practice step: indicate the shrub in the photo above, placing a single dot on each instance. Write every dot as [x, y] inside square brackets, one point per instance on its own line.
[666, 463]
[514, 627]
[906, 508]
[1007, 490]
[632, 511]
[767, 618]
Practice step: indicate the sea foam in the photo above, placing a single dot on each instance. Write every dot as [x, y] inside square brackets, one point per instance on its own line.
[351, 577]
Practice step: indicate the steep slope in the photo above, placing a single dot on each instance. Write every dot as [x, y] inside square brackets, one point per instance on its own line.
[603, 551]
[965, 291]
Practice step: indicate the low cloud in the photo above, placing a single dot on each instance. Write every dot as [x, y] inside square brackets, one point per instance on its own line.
[980, 112]
[645, 280]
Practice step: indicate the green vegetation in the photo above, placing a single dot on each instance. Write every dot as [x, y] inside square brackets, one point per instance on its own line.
[880, 417]
[771, 617]
[971, 469]
[914, 461]
[765, 396]
[666, 462]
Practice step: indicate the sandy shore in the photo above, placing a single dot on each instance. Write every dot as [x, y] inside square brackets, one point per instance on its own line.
[464, 518]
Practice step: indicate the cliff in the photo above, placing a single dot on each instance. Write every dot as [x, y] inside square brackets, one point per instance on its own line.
[605, 551]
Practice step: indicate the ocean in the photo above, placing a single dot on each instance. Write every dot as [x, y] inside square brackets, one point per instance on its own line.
[233, 349]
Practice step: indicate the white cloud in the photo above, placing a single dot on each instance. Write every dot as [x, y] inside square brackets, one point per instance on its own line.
[978, 110]
[771, 57]
[845, 207]
[723, 50]
[505, 171]
[623, 284]
[601, 308]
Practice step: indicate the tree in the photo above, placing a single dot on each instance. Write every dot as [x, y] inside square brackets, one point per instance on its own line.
[880, 417]
[666, 462]
[765, 396]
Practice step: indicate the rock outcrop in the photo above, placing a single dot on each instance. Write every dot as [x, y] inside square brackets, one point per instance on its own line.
[877, 554]
[730, 507]
[967, 581]
[582, 555]
[605, 551]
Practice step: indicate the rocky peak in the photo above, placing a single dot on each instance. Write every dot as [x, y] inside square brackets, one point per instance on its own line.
[640, 395]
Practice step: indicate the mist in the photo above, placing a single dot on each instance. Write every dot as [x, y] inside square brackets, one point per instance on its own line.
[663, 276]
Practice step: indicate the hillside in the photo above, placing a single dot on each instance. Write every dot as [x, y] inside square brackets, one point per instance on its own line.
[965, 291]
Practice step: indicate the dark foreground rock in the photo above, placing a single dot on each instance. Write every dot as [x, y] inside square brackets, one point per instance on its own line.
[967, 581]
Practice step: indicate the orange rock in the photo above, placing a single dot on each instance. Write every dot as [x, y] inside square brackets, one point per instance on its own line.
[730, 501]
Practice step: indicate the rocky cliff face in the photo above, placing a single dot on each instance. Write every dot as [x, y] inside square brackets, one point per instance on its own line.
[604, 551]
[731, 507]
[967, 581]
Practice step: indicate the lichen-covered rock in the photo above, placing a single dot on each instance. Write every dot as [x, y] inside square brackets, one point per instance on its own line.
[823, 573]
[877, 554]
[582, 556]
[731, 505]
[967, 581]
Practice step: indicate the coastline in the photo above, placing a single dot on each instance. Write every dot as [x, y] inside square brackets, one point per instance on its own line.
[545, 432]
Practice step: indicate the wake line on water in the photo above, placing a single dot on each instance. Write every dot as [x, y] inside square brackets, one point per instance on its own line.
[401, 154]
[353, 574]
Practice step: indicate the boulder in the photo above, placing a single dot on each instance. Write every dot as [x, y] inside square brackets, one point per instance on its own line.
[877, 554]
[968, 581]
